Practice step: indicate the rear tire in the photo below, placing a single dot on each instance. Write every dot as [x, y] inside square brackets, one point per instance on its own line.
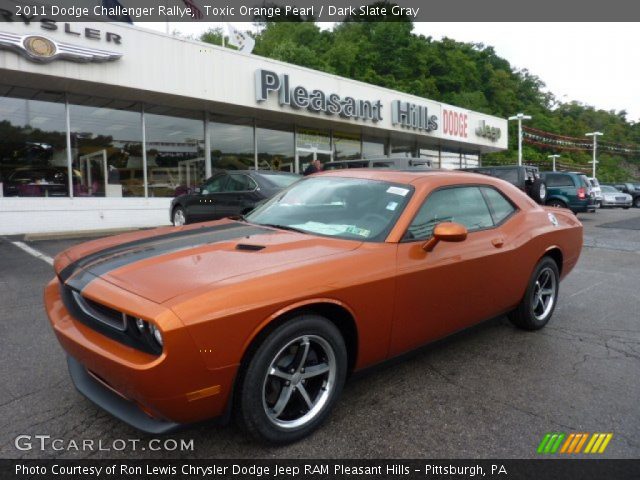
[290, 384]
[540, 298]
[554, 202]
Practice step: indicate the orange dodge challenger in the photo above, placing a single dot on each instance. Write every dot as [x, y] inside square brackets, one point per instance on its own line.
[265, 317]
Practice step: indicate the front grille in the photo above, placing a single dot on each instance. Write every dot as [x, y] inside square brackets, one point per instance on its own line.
[101, 313]
[107, 321]
[621, 199]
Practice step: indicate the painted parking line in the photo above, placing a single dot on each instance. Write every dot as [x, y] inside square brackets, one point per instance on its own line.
[33, 252]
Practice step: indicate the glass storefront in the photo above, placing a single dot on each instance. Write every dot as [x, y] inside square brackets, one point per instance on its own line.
[106, 151]
[109, 150]
[374, 147]
[232, 143]
[346, 146]
[276, 149]
[33, 148]
[175, 153]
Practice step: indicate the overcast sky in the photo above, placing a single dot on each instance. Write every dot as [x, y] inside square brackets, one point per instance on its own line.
[593, 63]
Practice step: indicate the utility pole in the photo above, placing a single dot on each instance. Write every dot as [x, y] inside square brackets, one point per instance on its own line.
[520, 117]
[595, 136]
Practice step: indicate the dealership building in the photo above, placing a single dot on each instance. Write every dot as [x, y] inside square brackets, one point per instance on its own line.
[101, 124]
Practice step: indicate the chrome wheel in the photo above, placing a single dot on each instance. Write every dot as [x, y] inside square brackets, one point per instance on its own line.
[299, 381]
[543, 192]
[544, 293]
[179, 218]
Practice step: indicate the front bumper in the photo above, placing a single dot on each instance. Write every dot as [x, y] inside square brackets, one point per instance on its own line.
[115, 404]
[616, 203]
[173, 388]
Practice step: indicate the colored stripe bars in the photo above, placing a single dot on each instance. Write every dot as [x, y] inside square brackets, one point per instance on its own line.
[574, 443]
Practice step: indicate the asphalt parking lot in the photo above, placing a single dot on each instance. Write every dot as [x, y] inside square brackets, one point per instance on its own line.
[491, 392]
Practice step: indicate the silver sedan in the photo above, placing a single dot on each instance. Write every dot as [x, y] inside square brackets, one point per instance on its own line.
[612, 197]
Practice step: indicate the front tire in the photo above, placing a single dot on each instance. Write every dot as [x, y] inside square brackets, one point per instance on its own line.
[179, 217]
[636, 202]
[539, 302]
[292, 381]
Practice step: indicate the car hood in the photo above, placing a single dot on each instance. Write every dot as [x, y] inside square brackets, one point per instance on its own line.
[177, 261]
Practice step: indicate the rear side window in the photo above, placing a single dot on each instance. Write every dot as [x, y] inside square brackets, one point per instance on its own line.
[558, 180]
[510, 175]
[464, 205]
[585, 181]
[500, 206]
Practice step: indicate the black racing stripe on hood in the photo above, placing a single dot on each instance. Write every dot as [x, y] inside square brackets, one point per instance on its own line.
[78, 274]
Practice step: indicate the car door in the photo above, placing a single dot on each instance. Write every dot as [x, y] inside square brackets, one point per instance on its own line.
[203, 206]
[455, 284]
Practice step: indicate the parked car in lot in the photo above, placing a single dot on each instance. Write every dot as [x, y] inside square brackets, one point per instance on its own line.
[397, 163]
[612, 197]
[630, 189]
[597, 191]
[569, 190]
[525, 177]
[265, 318]
[228, 193]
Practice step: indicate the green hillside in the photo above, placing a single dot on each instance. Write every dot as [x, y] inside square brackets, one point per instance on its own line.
[463, 74]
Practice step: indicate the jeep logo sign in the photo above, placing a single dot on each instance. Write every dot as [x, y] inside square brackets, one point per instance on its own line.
[487, 131]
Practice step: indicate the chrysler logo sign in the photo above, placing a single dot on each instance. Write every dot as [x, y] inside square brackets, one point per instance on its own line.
[38, 48]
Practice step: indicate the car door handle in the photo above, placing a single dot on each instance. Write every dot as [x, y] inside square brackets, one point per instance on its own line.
[497, 242]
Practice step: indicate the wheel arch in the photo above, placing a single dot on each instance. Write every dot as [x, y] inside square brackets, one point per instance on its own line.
[333, 310]
[556, 254]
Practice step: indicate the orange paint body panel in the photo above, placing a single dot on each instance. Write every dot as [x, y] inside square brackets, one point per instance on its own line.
[211, 299]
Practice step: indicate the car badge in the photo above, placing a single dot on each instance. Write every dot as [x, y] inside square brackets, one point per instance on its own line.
[44, 50]
[552, 219]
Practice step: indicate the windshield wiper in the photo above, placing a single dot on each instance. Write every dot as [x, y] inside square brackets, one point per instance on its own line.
[283, 227]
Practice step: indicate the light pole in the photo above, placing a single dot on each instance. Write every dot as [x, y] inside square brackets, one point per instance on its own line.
[595, 136]
[520, 117]
[553, 157]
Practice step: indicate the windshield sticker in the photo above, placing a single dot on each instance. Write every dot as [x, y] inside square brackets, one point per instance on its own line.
[398, 191]
[392, 206]
[325, 229]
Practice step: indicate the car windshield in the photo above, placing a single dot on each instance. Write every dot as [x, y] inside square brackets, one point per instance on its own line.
[349, 208]
[608, 189]
[281, 180]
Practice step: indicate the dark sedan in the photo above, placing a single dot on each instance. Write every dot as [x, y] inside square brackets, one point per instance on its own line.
[228, 193]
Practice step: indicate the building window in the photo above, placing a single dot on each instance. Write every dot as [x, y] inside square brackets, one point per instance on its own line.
[346, 146]
[470, 160]
[33, 148]
[275, 147]
[232, 143]
[450, 159]
[175, 152]
[403, 147]
[373, 147]
[106, 146]
[431, 154]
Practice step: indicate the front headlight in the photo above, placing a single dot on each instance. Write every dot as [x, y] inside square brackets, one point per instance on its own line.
[157, 334]
[150, 331]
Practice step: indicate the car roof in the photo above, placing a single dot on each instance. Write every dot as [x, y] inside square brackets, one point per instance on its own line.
[403, 176]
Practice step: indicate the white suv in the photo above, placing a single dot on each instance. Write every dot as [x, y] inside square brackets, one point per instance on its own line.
[597, 191]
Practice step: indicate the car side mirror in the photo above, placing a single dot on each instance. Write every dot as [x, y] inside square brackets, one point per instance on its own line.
[446, 232]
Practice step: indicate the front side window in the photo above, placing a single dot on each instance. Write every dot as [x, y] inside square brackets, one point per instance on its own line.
[464, 205]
